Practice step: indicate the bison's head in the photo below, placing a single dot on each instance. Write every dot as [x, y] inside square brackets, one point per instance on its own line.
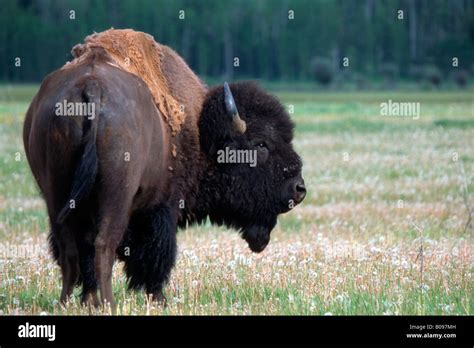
[246, 134]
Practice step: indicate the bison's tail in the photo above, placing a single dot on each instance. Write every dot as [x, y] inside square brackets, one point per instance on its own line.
[87, 167]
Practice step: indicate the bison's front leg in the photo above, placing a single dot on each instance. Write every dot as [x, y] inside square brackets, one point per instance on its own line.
[149, 250]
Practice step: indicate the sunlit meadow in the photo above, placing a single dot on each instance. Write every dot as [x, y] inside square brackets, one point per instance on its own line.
[382, 230]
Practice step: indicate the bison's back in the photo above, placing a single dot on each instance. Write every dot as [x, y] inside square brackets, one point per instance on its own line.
[129, 129]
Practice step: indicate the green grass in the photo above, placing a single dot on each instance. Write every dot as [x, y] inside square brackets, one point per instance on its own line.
[351, 248]
[446, 123]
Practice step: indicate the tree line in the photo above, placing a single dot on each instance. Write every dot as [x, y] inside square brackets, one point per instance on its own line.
[267, 39]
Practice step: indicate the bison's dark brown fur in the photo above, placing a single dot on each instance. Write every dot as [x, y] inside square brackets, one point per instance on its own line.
[134, 181]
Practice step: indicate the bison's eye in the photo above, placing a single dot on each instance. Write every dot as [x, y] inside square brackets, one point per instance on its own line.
[262, 151]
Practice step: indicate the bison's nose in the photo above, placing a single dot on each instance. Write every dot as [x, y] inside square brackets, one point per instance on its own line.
[300, 191]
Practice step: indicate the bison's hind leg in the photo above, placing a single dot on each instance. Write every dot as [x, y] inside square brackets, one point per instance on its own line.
[74, 253]
[64, 249]
[149, 250]
[87, 266]
[113, 225]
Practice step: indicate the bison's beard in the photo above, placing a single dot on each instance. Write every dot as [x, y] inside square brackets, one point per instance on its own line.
[257, 237]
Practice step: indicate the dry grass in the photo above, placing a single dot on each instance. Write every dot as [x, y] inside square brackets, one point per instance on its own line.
[351, 248]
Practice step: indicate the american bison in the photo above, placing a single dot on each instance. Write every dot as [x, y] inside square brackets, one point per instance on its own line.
[146, 157]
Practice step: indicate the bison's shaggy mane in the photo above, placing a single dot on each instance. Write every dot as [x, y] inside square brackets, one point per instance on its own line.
[139, 54]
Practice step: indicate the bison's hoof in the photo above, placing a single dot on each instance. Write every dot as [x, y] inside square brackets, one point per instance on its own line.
[160, 299]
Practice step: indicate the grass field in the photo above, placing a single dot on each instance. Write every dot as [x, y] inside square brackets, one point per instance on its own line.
[382, 230]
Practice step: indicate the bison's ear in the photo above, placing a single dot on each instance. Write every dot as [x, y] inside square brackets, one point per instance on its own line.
[220, 122]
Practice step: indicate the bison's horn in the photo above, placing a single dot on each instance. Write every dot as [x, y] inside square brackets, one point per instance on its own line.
[239, 125]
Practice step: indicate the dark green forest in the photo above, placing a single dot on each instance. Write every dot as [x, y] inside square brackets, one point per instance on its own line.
[272, 40]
